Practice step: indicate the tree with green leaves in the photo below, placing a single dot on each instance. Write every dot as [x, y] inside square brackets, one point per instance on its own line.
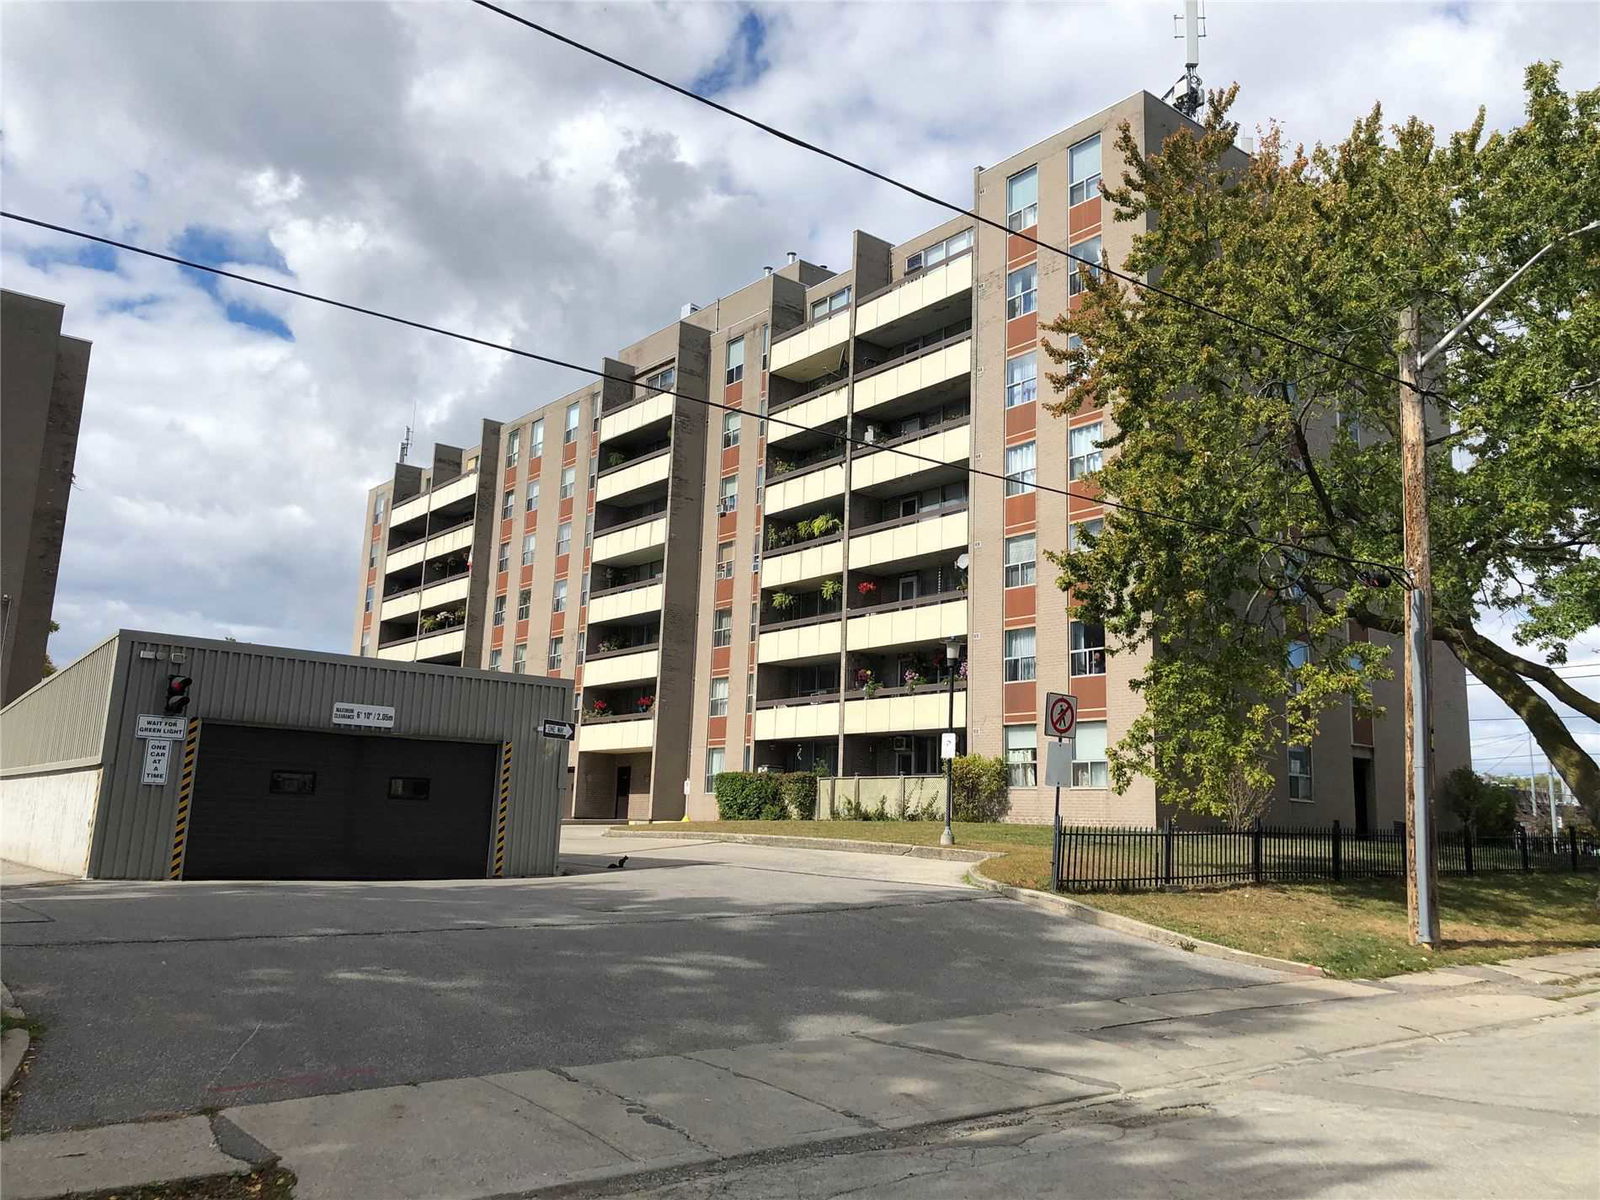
[1245, 437]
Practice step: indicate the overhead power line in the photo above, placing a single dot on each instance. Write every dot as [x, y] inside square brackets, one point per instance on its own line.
[1388, 569]
[911, 189]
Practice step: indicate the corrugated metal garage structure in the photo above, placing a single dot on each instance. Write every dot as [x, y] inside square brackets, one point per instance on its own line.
[285, 764]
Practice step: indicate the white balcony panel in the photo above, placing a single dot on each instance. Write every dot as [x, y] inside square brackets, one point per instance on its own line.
[432, 645]
[631, 603]
[901, 627]
[634, 540]
[811, 488]
[399, 560]
[812, 414]
[948, 532]
[814, 351]
[403, 652]
[618, 736]
[885, 466]
[925, 371]
[445, 593]
[903, 714]
[408, 510]
[635, 416]
[400, 606]
[448, 543]
[624, 668]
[458, 488]
[802, 642]
[928, 288]
[634, 478]
[796, 721]
[802, 566]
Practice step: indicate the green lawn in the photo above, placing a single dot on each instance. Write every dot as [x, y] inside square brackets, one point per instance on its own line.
[1353, 930]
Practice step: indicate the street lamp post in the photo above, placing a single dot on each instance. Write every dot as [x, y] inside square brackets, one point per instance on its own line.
[952, 656]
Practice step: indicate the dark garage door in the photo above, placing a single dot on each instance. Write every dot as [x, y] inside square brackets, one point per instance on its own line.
[288, 804]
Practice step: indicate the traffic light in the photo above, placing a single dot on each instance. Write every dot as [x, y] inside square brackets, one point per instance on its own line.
[178, 693]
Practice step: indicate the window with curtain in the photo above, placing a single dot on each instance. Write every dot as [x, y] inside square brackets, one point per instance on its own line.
[1022, 755]
[1089, 768]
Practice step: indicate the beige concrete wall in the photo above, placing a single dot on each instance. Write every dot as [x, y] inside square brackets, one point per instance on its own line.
[48, 820]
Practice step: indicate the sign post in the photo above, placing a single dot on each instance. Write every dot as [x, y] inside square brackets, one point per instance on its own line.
[1060, 720]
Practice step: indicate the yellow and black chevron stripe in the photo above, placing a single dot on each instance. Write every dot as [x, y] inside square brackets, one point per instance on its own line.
[180, 825]
[501, 810]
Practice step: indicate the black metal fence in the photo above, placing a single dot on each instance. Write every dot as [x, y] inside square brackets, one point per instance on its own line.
[1090, 859]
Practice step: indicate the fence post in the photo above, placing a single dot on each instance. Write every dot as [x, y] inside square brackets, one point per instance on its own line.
[1522, 844]
[1466, 847]
[1572, 844]
[1167, 849]
[1338, 855]
[1255, 850]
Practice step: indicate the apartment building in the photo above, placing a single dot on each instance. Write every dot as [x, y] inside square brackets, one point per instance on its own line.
[804, 573]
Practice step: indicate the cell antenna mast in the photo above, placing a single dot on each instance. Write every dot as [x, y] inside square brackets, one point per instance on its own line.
[405, 444]
[1186, 95]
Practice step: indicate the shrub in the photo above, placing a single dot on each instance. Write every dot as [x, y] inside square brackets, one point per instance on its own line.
[797, 793]
[979, 784]
[748, 796]
[1488, 806]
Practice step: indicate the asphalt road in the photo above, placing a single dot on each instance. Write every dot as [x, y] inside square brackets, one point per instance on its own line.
[161, 998]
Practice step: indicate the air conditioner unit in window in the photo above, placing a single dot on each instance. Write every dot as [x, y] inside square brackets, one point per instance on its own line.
[723, 508]
[903, 742]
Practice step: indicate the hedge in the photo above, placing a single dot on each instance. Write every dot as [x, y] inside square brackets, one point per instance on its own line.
[980, 787]
[764, 796]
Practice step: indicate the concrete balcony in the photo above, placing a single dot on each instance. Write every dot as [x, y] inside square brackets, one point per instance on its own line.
[432, 645]
[805, 564]
[458, 488]
[635, 478]
[811, 414]
[795, 720]
[809, 485]
[621, 668]
[819, 639]
[617, 735]
[924, 710]
[418, 599]
[812, 351]
[944, 286]
[940, 365]
[953, 445]
[625, 602]
[459, 538]
[637, 542]
[907, 623]
[909, 538]
[635, 416]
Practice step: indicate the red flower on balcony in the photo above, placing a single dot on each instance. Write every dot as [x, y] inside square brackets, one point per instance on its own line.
[866, 587]
[646, 703]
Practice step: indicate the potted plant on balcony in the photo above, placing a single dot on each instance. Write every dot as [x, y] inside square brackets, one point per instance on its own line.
[866, 589]
[781, 466]
[646, 703]
[867, 681]
[428, 624]
[831, 589]
[782, 601]
[914, 678]
[606, 645]
[616, 458]
[823, 524]
[598, 708]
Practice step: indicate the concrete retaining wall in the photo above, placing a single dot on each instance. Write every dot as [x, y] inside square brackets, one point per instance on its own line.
[47, 821]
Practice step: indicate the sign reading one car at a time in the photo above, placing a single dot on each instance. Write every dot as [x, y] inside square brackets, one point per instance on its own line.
[368, 716]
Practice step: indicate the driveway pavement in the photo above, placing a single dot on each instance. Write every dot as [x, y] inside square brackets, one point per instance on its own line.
[163, 998]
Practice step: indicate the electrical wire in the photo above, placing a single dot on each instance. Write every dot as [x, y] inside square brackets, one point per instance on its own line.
[794, 140]
[1387, 569]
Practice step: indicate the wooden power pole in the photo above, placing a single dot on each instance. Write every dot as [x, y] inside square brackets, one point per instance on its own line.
[1422, 890]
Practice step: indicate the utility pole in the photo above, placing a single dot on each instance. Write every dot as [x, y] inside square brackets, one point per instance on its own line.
[1422, 910]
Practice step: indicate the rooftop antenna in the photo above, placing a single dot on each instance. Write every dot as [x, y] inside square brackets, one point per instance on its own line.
[1186, 95]
[405, 442]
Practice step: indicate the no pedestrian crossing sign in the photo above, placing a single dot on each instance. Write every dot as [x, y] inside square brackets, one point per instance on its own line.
[1060, 714]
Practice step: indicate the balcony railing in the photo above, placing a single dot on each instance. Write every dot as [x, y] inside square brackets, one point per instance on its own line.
[912, 355]
[922, 514]
[805, 467]
[774, 551]
[641, 647]
[624, 587]
[635, 461]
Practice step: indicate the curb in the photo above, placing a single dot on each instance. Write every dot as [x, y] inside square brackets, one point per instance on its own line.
[1079, 911]
[899, 849]
[13, 1043]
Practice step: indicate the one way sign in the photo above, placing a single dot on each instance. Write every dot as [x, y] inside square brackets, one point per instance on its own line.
[558, 729]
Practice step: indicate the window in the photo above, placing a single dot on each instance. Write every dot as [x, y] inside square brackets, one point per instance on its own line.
[524, 604]
[558, 597]
[1022, 379]
[1083, 171]
[715, 757]
[532, 500]
[569, 482]
[1083, 450]
[735, 359]
[1300, 772]
[519, 658]
[1021, 564]
[766, 349]
[366, 640]
[935, 254]
[571, 434]
[1020, 469]
[508, 504]
[725, 560]
[830, 304]
[663, 380]
[1078, 529]
[594, 469]
[722, 627]
[527, 549]
[494, 659]
[1019, 661]
[536, 438]
[719, 697]
[1089, 755]
[730, 430]
[553, 658]
[372, 555]
[1021, 293]
[1022, 199]
[377, 511]
[1022, 755]
[1088, 649]
[500, 610]
[906, 587]
[502, 560]
[563, 538]
[728, 494]
[409, 787]
[513, 447]
[1299, 656]
[1077, 270]
[368, 606]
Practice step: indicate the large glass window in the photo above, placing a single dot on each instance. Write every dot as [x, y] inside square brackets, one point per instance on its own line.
[1022, 755]
[722, 627]
[1088, 649]
[1089, 768]
[1019, 660]
[830, 304]
[719, 697]
[935, 254]
[1022, 379]
[1021, 470]
[735, 371]
[1021, 291]
[1083, 450]
[1083, 170]
[1085, 261]
[1022, 199]
[1021, 566]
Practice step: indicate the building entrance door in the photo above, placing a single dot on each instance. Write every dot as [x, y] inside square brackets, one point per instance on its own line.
[624, 787]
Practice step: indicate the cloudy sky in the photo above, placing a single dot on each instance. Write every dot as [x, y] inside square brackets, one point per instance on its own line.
[436, 161]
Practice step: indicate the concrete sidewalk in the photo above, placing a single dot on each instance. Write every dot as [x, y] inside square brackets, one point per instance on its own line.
[522, 1132]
